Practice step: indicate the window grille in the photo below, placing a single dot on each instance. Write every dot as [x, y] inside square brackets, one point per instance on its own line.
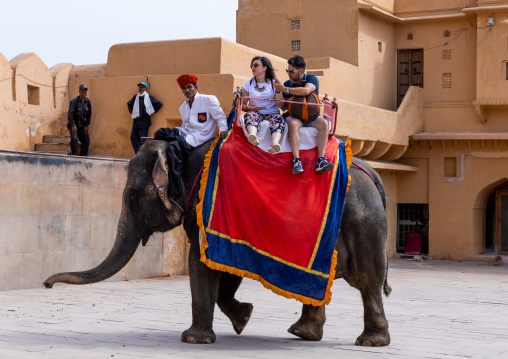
[411, 218]
[295, 24]
[446, 33]
[447, 80]
[447, 54]
[295, 45]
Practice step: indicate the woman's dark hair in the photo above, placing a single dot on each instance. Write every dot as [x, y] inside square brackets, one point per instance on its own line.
[270, 73]
[297, 62]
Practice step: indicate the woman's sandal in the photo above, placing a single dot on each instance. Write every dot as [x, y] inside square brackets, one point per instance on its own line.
[253, 139]
[274, 147]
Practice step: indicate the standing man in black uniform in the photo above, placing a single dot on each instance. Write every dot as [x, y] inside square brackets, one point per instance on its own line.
[141, 106]
[80, 112]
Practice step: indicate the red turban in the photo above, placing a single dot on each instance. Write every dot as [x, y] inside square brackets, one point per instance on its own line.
[187, 79]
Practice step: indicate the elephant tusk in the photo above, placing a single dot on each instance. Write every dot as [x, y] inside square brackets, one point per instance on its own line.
[172, 200]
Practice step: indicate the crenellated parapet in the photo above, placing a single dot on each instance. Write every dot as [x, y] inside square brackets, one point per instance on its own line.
[33, 101]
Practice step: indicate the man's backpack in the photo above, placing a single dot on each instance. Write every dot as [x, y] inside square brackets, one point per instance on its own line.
[302, 111]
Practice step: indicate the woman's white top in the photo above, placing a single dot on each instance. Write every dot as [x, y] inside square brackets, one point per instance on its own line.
[264, 90]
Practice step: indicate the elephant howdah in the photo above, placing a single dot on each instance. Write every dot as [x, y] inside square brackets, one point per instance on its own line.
[361, 246]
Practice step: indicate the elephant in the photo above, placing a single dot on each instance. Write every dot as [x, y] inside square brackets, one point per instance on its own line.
[362, 255]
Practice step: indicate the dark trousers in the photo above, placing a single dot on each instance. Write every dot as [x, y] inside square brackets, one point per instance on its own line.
[83, 138]
[136, 135]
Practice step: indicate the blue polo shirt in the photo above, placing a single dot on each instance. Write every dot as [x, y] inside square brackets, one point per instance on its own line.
[305, 80]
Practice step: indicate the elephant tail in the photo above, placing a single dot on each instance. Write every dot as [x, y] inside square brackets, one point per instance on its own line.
[386, 288]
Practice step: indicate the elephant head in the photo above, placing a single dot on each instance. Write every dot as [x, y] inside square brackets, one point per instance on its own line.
[145, 209]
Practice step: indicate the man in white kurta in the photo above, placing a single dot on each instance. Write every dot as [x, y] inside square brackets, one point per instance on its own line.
[200, 113]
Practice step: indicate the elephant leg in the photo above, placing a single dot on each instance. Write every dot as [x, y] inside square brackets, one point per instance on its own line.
[239, 313]
[375, 332]
[310, 324]
[204, 284]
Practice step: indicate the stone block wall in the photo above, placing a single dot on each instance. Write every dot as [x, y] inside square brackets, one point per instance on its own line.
[60, 213]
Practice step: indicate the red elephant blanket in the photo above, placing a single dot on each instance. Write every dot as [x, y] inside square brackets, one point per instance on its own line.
[260, 221]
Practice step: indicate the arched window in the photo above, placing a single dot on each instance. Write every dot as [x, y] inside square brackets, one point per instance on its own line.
[446, 33]
[410, 36]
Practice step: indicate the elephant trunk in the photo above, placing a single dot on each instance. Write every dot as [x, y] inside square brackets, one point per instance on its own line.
[126, 243]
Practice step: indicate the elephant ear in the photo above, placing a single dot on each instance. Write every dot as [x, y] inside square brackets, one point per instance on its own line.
[160, 177]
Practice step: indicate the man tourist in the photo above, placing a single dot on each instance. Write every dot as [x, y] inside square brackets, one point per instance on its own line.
[302, 84]
[141, 106]
[79, 115]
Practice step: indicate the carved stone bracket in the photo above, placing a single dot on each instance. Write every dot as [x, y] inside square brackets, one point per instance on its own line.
[480, 112]
[368, 146]
[480, 107]
[395, 152]
[356, 146]
[379, 150]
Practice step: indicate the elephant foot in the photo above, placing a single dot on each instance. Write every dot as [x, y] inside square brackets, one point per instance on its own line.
[373, 339]
[198, 336]
[241, 317]
[310, 330]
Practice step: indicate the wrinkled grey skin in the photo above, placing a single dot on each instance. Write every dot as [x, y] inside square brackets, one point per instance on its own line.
[362, 256]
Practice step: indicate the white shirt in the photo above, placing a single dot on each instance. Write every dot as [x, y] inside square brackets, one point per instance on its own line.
[200, 121]
[267, 91]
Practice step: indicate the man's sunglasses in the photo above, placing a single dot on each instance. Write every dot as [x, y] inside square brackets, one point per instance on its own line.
[292, 71]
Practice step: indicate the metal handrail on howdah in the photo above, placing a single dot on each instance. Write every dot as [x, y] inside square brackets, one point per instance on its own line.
[286, 101]
[329, 107]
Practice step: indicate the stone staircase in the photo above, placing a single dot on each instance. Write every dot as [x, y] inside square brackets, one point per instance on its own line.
[56, 144]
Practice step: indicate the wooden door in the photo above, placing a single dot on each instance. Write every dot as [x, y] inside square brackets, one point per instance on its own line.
[409, 71]
[501, 237]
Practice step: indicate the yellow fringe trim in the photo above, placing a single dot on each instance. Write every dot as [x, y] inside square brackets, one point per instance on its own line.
[277, 290]
[349, 153]
[327, 209]
[244, 273]
[202, 184]
[349, 156]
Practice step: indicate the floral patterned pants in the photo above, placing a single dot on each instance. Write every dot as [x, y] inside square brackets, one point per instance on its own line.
[277, 123]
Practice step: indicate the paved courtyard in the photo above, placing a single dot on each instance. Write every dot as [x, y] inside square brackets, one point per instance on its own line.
[438, 309]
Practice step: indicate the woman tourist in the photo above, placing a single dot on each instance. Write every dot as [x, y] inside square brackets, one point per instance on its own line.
[257, 110]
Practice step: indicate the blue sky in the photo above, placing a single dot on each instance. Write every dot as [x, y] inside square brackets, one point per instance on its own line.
[81, 32]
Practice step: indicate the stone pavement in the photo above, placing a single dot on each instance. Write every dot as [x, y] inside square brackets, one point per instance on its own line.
[438, 309]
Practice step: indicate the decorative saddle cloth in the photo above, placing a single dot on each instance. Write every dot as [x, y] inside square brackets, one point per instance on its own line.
[258, 220]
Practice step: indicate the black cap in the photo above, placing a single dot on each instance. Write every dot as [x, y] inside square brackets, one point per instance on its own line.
[83, 87]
